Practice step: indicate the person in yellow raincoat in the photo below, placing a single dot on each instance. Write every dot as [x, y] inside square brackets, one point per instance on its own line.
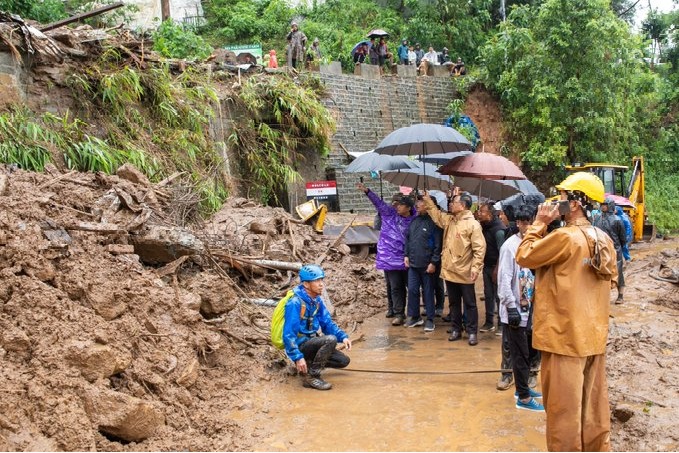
[575, 267]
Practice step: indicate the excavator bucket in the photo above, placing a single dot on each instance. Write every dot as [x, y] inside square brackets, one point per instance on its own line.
[312, 214]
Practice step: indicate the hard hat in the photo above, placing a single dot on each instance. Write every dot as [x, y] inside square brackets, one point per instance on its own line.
[585, 182]
[311, 272]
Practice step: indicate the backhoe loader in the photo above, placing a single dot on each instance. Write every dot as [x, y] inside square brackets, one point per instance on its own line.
[613, 177]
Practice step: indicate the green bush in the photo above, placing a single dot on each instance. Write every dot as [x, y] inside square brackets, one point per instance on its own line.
[173, 41]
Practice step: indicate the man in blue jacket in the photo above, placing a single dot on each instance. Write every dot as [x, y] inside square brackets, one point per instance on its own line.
[391, 247]
[305, 314]
[423, 257]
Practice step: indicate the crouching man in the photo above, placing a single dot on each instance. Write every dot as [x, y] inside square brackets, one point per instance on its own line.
[305, 314]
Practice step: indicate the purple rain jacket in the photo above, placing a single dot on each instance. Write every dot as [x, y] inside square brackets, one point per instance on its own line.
[392, 243]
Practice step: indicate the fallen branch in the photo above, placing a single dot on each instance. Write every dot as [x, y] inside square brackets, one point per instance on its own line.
[235, 337]
[172, 267]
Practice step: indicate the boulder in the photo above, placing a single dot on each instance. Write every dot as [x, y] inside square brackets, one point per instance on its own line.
[105, 303]
[161, 244]
[97, 361]
[122, 416]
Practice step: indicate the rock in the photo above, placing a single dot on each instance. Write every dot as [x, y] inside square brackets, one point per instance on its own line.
[189, 374]
[132, 174]
[191, 301]
[623, 412]
[216, 304]
[263, 228]
[97, 361]
[104, 302]
[122, 416]
[120, 249]
[4, 184]
[344, 249]
[161, 244]
[16, 341]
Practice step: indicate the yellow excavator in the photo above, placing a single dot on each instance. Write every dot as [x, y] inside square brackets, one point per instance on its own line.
[615, 183]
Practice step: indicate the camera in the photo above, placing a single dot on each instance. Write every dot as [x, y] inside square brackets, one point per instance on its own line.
[564, 206]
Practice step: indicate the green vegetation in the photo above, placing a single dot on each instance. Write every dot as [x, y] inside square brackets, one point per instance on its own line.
[283, 119]
[173, 41]
[46, 11]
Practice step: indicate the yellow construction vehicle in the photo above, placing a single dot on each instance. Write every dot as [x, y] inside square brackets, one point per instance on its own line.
[632, 191]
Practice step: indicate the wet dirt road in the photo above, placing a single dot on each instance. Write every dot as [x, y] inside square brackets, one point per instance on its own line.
[397, 412]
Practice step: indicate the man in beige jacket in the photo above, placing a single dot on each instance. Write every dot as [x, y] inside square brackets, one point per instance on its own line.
[570, 318]
[461, 261]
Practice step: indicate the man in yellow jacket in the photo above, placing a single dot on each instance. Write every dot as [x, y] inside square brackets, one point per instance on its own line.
[570, 319]
[461, 260]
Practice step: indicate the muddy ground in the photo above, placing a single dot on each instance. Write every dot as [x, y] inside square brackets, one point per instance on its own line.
[105, 344]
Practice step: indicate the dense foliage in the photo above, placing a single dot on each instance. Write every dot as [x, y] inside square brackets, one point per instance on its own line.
[174, 41]
[284, 118]
[45, 11]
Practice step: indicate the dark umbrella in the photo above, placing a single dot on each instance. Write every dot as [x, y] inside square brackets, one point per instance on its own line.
[419, 178]
[496, 189]
[377, 33]
[372, 161]
[442, 159]
[422, 140]
[353, 51]
[483, 166]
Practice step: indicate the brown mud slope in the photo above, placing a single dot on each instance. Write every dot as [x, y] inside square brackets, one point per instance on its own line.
[643, 354]
[486, 113]
[100, 351]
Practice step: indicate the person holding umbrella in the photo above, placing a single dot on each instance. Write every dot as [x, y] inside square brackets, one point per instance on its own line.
[461, 260]
[391, 247]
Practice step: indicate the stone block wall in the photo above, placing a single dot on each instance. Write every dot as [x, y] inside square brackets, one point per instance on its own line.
[366, 111]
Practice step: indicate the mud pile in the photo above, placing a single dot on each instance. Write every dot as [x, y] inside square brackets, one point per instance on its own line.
[643, 365]
[120, 330]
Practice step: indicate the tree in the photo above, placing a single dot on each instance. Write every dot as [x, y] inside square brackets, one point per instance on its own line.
[572, 81]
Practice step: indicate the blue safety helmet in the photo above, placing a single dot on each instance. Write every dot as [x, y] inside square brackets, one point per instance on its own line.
[311, 272]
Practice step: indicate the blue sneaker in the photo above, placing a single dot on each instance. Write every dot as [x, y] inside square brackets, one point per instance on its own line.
[531, 392]
[531, 405]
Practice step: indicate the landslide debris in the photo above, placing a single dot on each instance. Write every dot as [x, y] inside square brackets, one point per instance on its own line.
[120, 330]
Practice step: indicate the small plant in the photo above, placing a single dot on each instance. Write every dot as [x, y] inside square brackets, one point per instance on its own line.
[24, 142]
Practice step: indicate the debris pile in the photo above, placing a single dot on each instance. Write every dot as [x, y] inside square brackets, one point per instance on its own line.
[120, 330]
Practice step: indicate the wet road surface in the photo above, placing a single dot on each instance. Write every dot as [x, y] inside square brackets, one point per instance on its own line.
[399, 412]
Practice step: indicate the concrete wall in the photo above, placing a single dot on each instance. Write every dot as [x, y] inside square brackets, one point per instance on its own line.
[150, 10]
[11, 80]
[367, 110]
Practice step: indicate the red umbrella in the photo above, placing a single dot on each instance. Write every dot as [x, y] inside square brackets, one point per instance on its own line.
[483, 166]
[620, 200]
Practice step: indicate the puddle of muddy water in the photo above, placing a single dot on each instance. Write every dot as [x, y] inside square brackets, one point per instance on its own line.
[400, 412]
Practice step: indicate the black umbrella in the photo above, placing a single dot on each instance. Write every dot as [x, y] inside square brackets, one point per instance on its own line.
[422, 140]
[372, 161]
[442, 159]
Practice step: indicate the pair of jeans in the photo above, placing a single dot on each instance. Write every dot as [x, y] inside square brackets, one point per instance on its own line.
[459, 293]
[320, 352]
[489, 292]
[398, 282]
[418, 278]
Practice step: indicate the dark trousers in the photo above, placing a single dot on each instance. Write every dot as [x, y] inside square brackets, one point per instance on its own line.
[320, 352]
[506, 353]
[398, 282]
[489, 292]
[390, 302]
[418, 278]
[457, 294]
[439, 290]
[523, 356]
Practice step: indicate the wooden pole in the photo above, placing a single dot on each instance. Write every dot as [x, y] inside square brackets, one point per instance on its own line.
[165, 10]
[78, 17]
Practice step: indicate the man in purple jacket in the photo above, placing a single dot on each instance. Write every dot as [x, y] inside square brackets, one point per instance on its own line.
[391, 247]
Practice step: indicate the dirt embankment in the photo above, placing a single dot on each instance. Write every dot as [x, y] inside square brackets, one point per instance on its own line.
[101, 350]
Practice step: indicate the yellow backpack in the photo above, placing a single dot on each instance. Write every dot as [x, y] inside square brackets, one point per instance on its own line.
[278, 320]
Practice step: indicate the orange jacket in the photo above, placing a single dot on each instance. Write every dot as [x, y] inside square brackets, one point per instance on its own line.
[571, 302]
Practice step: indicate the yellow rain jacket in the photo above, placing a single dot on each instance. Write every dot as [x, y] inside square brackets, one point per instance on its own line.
[463, 244]
[571, 301]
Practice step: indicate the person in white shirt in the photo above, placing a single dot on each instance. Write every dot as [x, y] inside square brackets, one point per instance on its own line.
[430, 58]
[412, 56]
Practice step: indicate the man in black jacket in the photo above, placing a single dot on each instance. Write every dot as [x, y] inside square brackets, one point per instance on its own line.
[613, 226]
[422, 256]
[494, 233]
